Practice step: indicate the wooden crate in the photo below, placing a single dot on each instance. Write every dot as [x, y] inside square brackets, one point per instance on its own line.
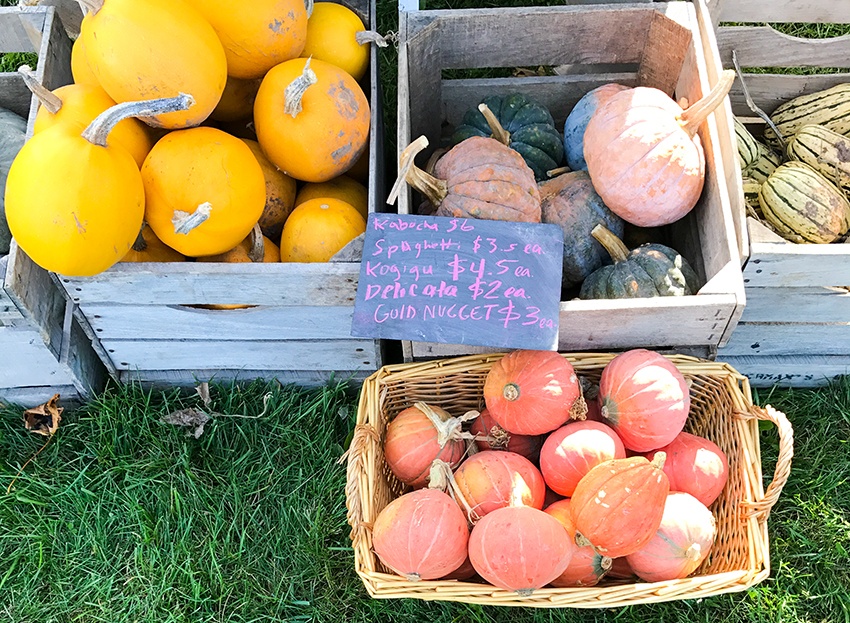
[656, 44]
[142, 324]
[44, 351]
[795, 330]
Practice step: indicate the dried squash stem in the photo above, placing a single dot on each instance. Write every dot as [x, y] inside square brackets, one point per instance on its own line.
[499, 133]
[694, 116]
[615, 247]
[184, 222]
[103, 124]
[432, 187]
[296, 89]
[258, 246]
[370, 36]
[140, 245]
[45, 96]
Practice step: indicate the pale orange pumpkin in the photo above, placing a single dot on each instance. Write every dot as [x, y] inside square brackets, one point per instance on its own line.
[317, 229]
[644, 156]
[280, 194]
[343, 188]
[495, 479]
[204, 191]
[312, 119]
[586, 567]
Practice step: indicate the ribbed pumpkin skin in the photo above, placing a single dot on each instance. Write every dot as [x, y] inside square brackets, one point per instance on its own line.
[681, 543]
[411, 444]
[618, 505]
[579, 117]
[532, 130]
[828, 108]
[487, 180]
[570, 452]
[157, 48]
[421, 535]
[256, 35]
[643, 164]
[696, 466]
[520, 549]
[531, 392]
[586, 567]
[184, 170]
[644, 398]
[570, 202]
[488, 480]
[155, 250]
[748, 147]
[81, 103]
[803, 206]
[500, 439]
[827, 152]
[327, 136]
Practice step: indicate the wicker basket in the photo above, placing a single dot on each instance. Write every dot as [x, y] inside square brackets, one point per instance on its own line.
[721, 410]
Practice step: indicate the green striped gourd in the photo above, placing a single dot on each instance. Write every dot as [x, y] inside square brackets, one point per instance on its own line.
[751, 192]
[803, 206]
[765, 165]
[748, 146]
[830, 108]
[825, 151]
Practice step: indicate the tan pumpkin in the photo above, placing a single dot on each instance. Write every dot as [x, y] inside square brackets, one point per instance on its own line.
[644, 156]
[280, 194]
[312, 119]
[477, 178]
[237, 100]
[204, 191]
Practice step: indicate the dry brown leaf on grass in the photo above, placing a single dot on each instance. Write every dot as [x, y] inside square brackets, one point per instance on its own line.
[197, 419]
[45, 418]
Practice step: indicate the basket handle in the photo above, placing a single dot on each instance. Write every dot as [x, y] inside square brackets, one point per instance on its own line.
[355, 456]
[761, 508]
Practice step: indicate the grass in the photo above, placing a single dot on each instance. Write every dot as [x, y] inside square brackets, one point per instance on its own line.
[125, 518]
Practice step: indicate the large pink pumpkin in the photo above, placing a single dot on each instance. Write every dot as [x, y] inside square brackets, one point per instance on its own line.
[644, 156]
[695, 465]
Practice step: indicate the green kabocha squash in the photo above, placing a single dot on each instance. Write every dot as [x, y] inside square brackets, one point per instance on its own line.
[648, 271]
[803, 206]
[13, 130]
[748, 146]
[520, 123]
[827, 152]
[830, 108]
[570, 202]
[766, 164]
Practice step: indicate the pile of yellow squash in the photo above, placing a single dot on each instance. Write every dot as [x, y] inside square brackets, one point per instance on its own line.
[209, 129]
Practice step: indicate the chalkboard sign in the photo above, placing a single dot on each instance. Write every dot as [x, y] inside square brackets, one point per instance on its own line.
[460, 281]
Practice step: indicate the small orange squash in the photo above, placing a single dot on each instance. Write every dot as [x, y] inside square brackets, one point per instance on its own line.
[79, 104]
[80, 69]
[312, 119]
[237, 100]
[256, 35]
[317, 229]
[586, 567]
[644, 156]
[256, 248]
[421, 535]
[332, 32]
[492, 479]
[532, 392]
[149, 248]
[74, 202]
[280, 194]
[617, 506]
[697, 466]
[343, 188]
[156, 48]
[204, 191]
[491, 436]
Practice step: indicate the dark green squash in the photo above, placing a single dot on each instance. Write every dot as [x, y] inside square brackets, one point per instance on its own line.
[520, 123]
[648, 271]
[570, 202]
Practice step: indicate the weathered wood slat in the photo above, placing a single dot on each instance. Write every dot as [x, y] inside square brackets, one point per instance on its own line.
[14, 95]
[163, 322]
[762, 46]
[790, 370]
[239, 284]
[190, 378]
[756, 338]
[769, 91]
[800, 305]
[757, 11]
[21, 29]
[144, 355]
[26, 361]
[797, 265]
[28, 397]
[558, 93]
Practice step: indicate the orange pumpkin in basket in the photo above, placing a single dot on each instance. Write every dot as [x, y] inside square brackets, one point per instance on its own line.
[491, 436]
[532, 392]
[644, 156]
[491, 479]
[149, 248]
[697, 466]
[586, 567]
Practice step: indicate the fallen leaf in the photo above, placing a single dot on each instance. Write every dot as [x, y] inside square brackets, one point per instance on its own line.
[188, 418]
[203, 391]
[44, 419]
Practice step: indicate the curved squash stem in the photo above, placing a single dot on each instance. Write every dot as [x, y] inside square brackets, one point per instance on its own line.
[258, 246]
[296, 89]
[432, 161]
[370, 36]
[752, 105]
[102, 125]
[606, 563]
[44, 95]
[184, 222]
[450, 429]
[90, 6]
[615, 247]
[441, 478]
[499, 133]
[432, 187]
[694, 116]
[558, 171]
[658, 459]
[140, 245]
[693, 552]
